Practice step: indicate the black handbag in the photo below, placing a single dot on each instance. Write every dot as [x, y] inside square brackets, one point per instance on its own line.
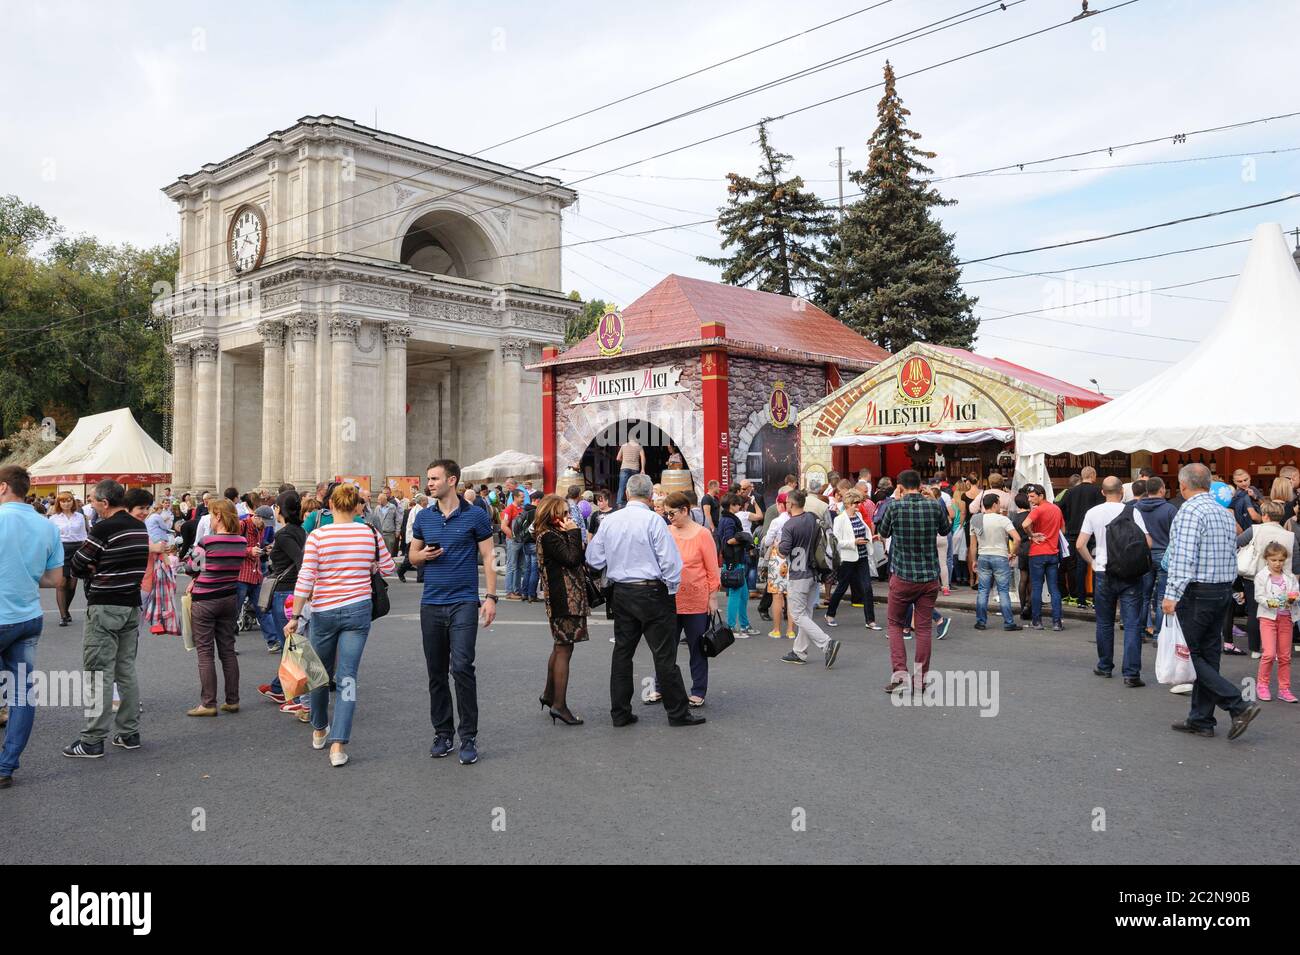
[595, 594]
[379, 605]
[717, 637]
[733, 576]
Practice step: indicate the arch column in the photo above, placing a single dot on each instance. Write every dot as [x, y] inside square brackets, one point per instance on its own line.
[182, 416]
[343, 427]
[302, 334]
[395, 336]
[205, 419]
[273, 431]
[512, 370]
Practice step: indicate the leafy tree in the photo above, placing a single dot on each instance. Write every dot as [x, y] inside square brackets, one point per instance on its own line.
[76, 333]
[895, 276]
[776, 227]
[584, 323]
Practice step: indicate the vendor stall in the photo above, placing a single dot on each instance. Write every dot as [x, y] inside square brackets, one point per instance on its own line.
[102, 446]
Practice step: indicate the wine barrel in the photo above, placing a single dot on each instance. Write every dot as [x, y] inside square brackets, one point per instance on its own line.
[672, 481]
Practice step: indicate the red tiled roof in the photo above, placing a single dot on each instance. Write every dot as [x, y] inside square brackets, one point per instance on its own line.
[671, 313]
[1073, 394]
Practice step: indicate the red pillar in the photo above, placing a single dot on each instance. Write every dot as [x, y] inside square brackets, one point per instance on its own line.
[717, 437]
[548, 421]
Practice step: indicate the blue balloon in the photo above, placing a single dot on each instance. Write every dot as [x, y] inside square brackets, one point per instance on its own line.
[1222, 493]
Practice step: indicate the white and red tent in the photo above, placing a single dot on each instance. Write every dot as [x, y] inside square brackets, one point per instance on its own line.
[111, 445]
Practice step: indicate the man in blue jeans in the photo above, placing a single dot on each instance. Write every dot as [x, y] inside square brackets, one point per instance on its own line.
[31, 557]
[994, 538]
[1109, 590]
[444, 540]
[1157, 516]
[1044, 524]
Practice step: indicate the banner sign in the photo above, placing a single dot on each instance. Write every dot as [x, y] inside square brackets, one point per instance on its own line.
[634, 383]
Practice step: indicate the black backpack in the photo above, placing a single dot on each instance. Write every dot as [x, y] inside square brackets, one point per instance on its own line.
[522, 527]
[1127, 555]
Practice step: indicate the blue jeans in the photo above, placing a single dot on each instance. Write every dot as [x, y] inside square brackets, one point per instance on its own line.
[529, 574]
[994, 568]
[1040, 566]
[265, 620]
[623, 475]
[738, 605]
[18, 649]
[1106, 592]
[514, 562]
[1156, 595]
[450, 632]
[339, 638]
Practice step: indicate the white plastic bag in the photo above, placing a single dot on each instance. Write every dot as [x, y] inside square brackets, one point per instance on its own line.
[1173, 659]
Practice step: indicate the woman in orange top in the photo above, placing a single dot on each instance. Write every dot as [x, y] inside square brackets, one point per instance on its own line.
[697, 595]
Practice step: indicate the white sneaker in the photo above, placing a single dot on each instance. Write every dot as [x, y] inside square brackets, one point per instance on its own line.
[318, 742]
[1255, 655]
[1182, 689]
[338, 759]
[830, 622]
[611, 639]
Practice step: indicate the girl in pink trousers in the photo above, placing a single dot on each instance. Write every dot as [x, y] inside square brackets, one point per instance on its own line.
[1276, 593]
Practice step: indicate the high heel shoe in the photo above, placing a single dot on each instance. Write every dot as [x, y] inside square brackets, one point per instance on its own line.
[544, 701]
[565, 717]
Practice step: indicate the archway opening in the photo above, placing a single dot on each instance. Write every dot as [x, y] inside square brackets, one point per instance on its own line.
[448, 243]
[772, 455]
[600, 461]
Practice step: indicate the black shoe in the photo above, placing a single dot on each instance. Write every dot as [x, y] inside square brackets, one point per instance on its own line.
[80, 750]
[1013, 628]
[127, 742]
[1099, 672]
[1242, 720]
[565, 717]
[832, 651]
[983, 626]
[688, 720]
[64, 622]
[442, 746]
[1133, 681]
[1186, 727]
[627, 720]
[6, 782]
[765, 615]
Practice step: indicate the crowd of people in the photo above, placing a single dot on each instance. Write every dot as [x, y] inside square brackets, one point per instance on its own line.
[670, 567]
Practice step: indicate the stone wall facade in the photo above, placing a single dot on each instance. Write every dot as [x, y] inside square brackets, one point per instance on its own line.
[749, 388]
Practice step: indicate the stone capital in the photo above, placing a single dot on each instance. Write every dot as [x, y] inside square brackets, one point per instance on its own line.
[396, 334]
[182, 354]
[206, 349]
[302, 328]
[514, 349]
[344, 329]
[272, 333]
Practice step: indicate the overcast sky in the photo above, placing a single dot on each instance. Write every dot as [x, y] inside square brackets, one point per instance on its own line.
[107, 103]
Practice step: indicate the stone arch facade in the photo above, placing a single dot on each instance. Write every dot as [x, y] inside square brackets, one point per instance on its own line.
[677, 416]
[740, 455]
[479, 236]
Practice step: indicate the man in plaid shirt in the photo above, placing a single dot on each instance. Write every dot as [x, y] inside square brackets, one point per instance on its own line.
[1202, 558]
[913, 524]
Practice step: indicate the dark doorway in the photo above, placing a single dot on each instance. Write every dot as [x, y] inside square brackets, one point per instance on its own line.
[772, 455]
[599, 464]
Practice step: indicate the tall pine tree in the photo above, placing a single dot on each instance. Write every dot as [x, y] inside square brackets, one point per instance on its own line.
[777, 227]
[894, 275]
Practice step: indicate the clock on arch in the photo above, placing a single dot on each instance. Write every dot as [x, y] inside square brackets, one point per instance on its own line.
[246, 239]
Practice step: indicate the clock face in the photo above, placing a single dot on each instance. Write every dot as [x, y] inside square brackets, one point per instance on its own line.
[247, 240]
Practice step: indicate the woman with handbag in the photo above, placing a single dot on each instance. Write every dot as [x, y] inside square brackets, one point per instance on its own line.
[338, 562]
[732, 540]
[853, 538]
[564, 587]
[697, 594]
[287, 548]
[217, 559]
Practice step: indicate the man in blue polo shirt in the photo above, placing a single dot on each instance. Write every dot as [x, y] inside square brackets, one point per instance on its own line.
[444, 539]
[30, 557]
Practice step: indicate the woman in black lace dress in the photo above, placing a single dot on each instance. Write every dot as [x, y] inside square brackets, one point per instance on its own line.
[561, 562]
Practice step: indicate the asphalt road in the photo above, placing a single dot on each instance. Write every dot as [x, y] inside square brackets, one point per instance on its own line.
[870, 781]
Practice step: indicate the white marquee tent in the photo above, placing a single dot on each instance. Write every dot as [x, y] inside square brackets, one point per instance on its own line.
[1237, 389]
[109, 445]
[507, 464]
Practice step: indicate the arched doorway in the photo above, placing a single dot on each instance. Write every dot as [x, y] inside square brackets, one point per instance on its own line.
[773, 453]
[448, 243]
[599, 465]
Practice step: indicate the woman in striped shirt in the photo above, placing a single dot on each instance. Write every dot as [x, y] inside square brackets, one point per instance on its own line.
[213, 609]
[335, 576]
